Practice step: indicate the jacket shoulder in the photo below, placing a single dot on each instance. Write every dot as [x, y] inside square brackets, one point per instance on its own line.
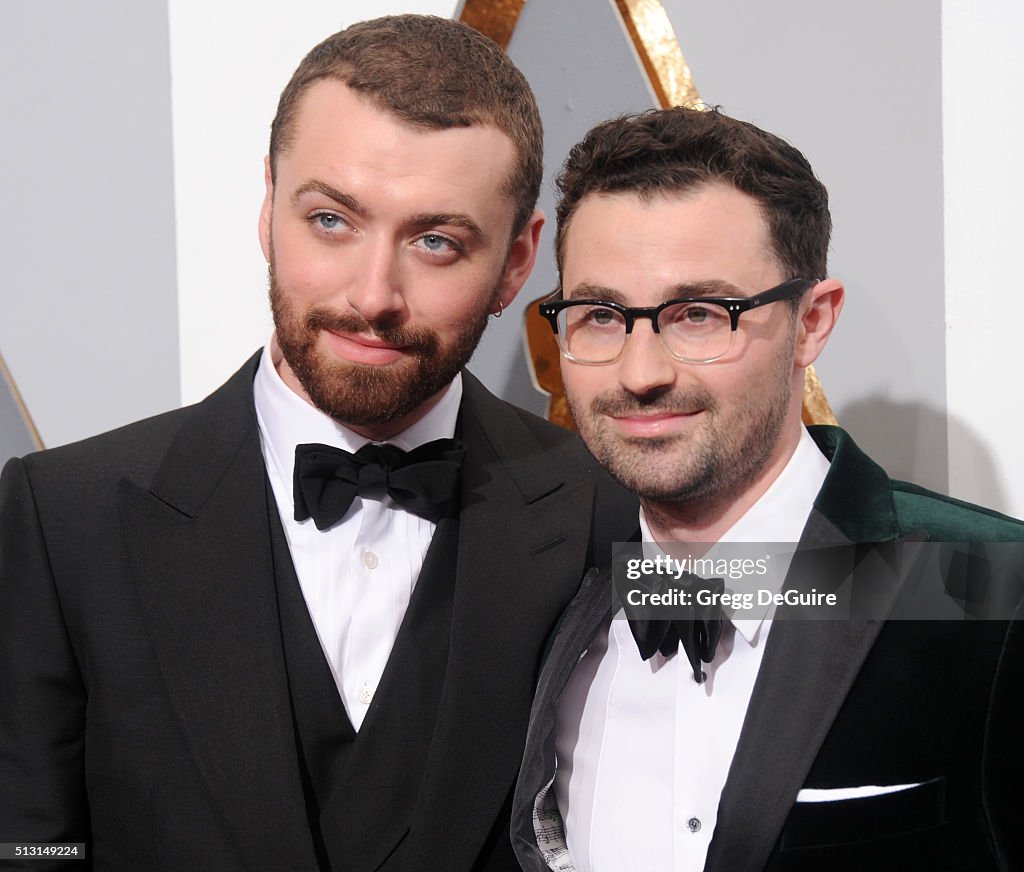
[949, 519]
[562, 446]
[136, 450]
[868, 506]
[130, 450]
[526, 440]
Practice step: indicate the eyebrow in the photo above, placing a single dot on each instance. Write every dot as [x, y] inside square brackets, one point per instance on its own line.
[709, 288]
[423, 221]
[587, 291]
[315, 186]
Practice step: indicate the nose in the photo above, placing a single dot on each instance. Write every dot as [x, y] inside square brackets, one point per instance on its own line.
[375, 284]
[645, 366]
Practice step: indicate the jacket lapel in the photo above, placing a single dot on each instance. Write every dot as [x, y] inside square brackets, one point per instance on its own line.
[199, 541]
[520, 529]
[590, 608]
[809, 665]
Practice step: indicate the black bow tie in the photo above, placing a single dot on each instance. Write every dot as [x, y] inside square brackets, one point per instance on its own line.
[421, 481]
[698, 635]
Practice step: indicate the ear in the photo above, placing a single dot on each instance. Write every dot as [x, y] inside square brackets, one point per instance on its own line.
[521, 257]
[266, 210]
[819, 312]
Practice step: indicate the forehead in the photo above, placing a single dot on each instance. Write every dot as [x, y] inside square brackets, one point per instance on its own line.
[650, 245]
[344, 139]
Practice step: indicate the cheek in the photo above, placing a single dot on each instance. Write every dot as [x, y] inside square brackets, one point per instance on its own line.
[583, 383]
[733, 389]
[721, 382]
[305, 279]
[756, 384]
[302, 260]
[444, 299]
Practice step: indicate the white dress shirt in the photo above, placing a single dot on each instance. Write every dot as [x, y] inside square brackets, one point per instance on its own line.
[356, 577]
[642, 750]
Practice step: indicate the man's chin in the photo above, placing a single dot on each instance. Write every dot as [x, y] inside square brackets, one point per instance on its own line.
[364, 395]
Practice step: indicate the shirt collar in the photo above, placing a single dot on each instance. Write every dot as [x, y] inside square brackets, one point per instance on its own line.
[286, 419]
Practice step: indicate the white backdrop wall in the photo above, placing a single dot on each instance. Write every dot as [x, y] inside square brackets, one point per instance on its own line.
[983, 127]
[134, 281]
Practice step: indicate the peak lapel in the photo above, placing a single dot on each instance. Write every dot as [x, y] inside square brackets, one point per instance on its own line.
[199, 543]
[523, 540]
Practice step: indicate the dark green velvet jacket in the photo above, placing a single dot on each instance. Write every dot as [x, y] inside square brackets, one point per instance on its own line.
[938, 704]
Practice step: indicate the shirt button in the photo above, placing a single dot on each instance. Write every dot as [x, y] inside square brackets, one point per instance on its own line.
[370, 560]
[366, 696]
[693, 825]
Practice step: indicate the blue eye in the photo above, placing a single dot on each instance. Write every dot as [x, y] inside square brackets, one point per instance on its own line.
[438, 246]
[433, 242]
[330, 221]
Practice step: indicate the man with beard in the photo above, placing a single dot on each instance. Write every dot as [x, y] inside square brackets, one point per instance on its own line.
[297, 626]
[692, 256]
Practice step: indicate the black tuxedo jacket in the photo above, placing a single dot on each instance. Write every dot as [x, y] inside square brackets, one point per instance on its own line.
[939, 704]
[144, 700]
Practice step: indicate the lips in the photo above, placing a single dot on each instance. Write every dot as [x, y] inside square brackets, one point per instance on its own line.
[652, 425]
[365, 349]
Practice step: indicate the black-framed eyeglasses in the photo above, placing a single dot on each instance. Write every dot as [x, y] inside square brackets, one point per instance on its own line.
[692, 329]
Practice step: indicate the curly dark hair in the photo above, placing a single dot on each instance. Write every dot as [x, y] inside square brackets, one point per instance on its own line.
[432, 73]
[675, 150]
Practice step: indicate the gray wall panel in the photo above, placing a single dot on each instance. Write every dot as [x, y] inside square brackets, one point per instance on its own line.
[88, 312]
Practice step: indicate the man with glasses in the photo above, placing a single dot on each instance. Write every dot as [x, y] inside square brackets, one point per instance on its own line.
[694, 293]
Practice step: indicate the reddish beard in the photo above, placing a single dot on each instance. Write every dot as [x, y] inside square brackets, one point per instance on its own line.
[366, 395]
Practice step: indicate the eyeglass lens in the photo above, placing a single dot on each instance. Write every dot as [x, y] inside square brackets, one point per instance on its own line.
[689, 331]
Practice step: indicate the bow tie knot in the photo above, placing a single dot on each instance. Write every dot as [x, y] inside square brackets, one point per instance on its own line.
[421, 481]
[697, 629]
[372, 477]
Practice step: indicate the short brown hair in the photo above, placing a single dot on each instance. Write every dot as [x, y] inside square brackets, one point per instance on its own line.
[433, 73]
[676, 150]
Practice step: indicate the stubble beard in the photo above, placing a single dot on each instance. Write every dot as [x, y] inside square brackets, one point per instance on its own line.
[712, 464]
[366, 395]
